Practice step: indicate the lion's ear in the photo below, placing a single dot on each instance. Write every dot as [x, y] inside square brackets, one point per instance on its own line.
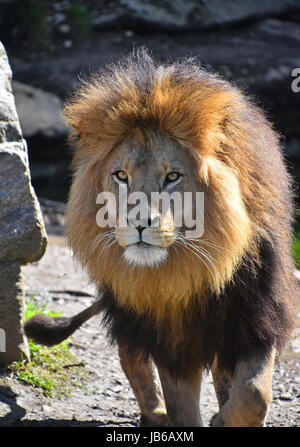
[80, 117]
[74, 115]
[75, 135]
[217, 111]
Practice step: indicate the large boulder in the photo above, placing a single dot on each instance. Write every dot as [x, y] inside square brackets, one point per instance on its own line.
[39, 112]
[22, 233]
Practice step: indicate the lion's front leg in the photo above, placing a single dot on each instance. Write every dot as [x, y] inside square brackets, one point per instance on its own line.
[222, 383]
[144, 381]
[182, 397]
[250, 395]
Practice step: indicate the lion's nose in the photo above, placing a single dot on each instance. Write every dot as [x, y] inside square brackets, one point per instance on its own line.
[141, 227]
[140, 230]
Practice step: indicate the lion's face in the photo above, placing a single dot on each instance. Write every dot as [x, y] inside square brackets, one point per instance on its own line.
[161, 166]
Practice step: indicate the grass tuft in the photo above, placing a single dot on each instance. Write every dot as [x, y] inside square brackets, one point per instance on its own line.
[296, 249]
[53, 371]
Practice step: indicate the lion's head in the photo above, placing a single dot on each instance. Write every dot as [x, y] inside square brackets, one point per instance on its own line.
[167, 128]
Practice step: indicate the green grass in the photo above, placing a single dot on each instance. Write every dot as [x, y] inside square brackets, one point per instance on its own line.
[296, 249]
[53, 371]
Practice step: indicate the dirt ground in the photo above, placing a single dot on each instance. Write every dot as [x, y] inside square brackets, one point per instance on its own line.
[105, 399]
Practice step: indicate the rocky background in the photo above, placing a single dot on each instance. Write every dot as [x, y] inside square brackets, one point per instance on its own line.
[50, 44]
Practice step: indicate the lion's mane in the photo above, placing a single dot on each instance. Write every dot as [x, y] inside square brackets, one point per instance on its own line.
[248, 306]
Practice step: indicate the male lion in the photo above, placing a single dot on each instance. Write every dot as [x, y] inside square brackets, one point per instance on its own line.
[222, 301]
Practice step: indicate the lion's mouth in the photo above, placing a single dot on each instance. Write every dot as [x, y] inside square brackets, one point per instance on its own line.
[142, 254]
[142, 245]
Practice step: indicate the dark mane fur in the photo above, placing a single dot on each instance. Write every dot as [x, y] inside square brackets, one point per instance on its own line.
[249, 317]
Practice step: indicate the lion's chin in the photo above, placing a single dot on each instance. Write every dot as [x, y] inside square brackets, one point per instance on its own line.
[144, 255]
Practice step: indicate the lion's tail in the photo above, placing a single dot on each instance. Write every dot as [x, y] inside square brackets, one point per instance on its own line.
[51, 331]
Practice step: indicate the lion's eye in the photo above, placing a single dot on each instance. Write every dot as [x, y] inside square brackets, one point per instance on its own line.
[172, 176]
[121, 175]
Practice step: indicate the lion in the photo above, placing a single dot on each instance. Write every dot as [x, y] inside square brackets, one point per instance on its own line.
[176, 305]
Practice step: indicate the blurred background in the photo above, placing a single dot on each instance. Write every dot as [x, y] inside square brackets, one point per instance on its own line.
[255, 44]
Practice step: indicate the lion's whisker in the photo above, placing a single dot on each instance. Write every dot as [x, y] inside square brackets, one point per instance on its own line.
[198, 255]
[197, 251]
[175, 248]
[96, 241]
[180, 244]
[204, 242]
[104, 250]
[204, 252]
[109, 239]
[206, 256]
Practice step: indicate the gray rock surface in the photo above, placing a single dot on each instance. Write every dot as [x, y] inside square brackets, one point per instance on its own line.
[11, 313]
[39, 111]
[186, 15]
[22, 234]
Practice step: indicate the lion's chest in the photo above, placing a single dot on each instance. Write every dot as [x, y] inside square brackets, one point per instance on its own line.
[178, 346]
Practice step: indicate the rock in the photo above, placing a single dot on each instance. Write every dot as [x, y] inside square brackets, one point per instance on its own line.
[11, 313]
[275, 30]
[286, 396]
[42, 125]
[39, 111]
[185, 15]
[64, 28]
[22, 234]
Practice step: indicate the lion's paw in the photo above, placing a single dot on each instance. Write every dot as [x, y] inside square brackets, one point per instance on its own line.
[216, 420]
[157, 418]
